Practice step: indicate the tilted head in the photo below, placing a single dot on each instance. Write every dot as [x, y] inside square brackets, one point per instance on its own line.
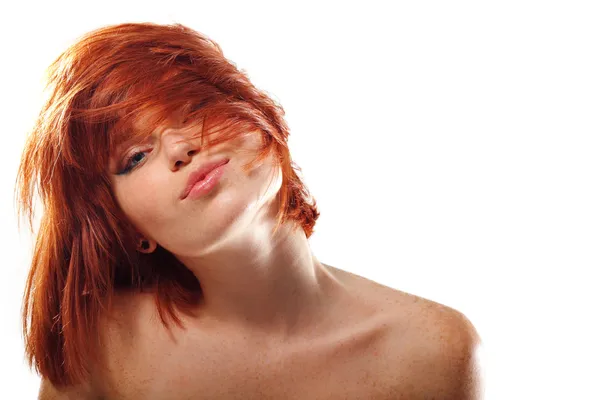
[132, 110]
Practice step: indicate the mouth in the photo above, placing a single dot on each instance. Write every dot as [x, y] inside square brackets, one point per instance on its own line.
[200, 174]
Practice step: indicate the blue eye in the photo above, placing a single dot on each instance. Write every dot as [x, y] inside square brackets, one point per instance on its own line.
[129, 164]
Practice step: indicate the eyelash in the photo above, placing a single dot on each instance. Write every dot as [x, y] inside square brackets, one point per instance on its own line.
[128, 167]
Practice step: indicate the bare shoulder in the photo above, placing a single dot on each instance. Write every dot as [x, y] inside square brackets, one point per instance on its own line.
[412, 309]
[129, 318]
[435, 347]
[128, 326]
[111, 325]
[131, 324]
[446, 349]
[443, 348]
[425, 318]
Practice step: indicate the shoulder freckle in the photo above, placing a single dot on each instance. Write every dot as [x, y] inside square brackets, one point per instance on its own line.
[455, 332]
[456, 353]
[440, 348]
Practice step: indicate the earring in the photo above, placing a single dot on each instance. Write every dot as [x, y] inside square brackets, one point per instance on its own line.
[145, 245]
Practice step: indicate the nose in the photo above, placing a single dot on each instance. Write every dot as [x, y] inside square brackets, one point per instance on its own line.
[180, 148]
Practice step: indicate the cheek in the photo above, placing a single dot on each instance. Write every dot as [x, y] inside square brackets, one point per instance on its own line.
[141, 200]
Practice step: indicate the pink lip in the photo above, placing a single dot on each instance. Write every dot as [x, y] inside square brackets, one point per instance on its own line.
[199, 174]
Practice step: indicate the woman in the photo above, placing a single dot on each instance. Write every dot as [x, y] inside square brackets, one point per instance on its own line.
[172, 259]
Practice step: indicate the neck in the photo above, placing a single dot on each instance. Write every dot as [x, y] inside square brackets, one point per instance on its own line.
[270, 284]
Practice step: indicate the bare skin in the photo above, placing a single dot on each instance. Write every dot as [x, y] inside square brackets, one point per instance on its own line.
[275, 323]
[381, 344]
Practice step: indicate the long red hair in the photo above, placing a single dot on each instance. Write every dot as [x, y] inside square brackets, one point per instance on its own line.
[85, 248]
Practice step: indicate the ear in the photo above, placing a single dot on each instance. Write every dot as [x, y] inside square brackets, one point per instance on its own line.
[146, 246]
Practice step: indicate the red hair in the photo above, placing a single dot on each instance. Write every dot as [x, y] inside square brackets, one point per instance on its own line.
[85, 248]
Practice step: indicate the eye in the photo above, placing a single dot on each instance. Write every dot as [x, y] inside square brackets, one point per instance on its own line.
[132, 161]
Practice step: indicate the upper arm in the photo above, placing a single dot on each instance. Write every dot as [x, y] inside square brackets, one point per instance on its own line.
[471, 376]
[462, 359]
[79, 392]
[448, 357]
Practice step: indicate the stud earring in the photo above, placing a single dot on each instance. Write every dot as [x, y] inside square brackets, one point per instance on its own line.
[145, 245]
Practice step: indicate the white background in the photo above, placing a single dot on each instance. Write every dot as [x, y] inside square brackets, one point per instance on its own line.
[452, 148]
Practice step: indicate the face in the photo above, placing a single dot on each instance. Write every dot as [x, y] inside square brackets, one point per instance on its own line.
[148, 189]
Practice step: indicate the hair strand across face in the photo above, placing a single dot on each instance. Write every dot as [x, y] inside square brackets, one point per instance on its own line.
[85, 250]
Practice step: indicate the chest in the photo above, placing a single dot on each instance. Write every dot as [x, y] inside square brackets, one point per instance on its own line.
[357, 365]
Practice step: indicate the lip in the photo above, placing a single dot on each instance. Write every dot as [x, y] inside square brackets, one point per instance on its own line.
[200, 173]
